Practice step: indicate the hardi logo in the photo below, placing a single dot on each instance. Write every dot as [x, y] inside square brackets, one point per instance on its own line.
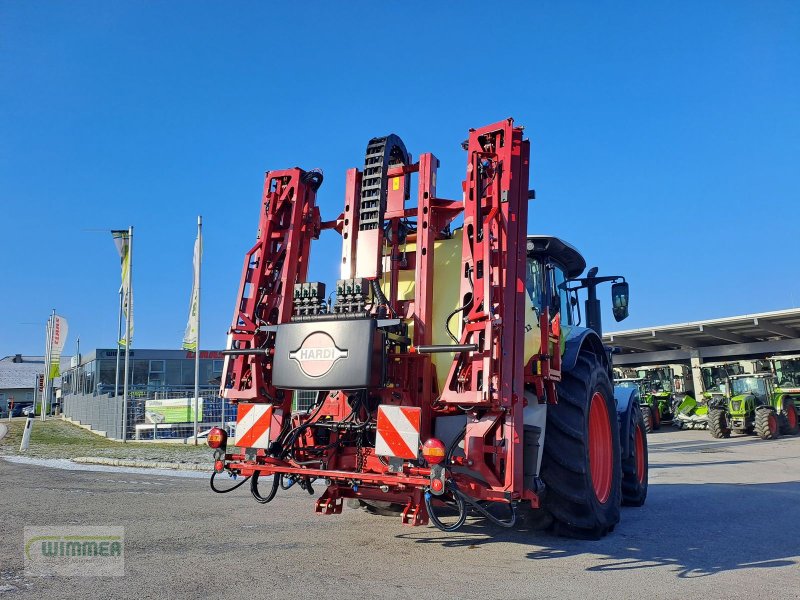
[317, 354]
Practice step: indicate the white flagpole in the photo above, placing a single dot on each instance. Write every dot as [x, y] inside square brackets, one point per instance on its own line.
[197, 347]
[119, 337]
[127, 338]
[47, 357]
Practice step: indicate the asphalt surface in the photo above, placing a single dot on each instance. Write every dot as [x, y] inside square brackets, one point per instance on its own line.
[721, 521]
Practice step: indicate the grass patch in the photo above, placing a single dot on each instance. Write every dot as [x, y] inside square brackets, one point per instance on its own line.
[55, 438]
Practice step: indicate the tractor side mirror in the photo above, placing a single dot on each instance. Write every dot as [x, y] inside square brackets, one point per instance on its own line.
[619, 300]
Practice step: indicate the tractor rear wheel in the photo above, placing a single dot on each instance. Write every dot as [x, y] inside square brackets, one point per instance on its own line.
[581, 462]
[647, 417]
[788, 418]
[718, 423]
[767, 423]
[635, 467]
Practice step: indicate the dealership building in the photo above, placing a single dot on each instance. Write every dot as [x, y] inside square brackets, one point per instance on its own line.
[160, 392]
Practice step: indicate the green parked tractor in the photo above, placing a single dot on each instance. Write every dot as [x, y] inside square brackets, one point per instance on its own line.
[754, 405]
[667, 391]
[692, 413]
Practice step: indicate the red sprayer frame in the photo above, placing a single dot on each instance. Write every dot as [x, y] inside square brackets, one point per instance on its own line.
[487, 377]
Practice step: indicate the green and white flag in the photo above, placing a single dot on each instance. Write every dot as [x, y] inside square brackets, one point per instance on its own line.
[190, 335]
[122, 240]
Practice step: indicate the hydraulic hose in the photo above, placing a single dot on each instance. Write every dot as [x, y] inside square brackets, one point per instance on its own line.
[462, 512]
[313, 178]
[477, 506]
[230, 489]
[461, 502]
[276, 481]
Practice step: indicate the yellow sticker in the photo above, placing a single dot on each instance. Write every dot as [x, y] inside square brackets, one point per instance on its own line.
[395, 183]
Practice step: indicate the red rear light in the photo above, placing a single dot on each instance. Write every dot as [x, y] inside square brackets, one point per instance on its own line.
[217, 438]
[434, 451]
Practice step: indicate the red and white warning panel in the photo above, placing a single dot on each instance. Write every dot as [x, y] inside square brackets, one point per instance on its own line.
[398, 431]
[253, 425]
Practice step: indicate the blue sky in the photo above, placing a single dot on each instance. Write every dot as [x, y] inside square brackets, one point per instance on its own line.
[665, 141]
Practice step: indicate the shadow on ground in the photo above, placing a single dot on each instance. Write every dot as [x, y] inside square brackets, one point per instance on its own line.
[693, 530]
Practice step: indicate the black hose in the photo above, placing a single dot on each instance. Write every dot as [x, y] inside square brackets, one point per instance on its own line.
[313, 178]
[462, 512]
[467, 304]
[276, 481]
[378, 293]
[230, 489]
[461, 502]
[477, 506]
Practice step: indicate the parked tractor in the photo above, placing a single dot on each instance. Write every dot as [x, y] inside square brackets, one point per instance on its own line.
[715, 379]
[450, 371]
[787, 377]
[754, 405]
[787, 371]
[665, 388]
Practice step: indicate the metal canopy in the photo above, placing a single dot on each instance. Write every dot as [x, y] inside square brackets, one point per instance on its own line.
[759, 333]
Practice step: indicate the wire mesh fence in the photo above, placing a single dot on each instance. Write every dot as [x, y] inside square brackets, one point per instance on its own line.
[152, 413]
[160, 413]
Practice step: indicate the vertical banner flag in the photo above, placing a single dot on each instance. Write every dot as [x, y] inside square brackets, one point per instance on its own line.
[122, 242]
[58, 338]
[190, 336]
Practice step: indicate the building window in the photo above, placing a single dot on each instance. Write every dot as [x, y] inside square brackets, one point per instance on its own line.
[156, 374]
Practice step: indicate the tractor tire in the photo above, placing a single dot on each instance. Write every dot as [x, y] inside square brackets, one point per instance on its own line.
[635, 467]
[767, 425]
[788, 418]
[656, 417]
[718, 423]
[647, 417]
[581, 461]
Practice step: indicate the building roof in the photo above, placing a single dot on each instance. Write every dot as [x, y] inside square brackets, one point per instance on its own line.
[24, 358]
[16, 375]
[19, 375]
[776, 331]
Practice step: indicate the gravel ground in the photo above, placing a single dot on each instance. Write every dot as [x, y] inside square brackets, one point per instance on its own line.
[721, 521]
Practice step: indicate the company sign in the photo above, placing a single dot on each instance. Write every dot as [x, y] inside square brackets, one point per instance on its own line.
[317, 354]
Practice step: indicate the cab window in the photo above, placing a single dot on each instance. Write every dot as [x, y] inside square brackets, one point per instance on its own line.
[555, 280]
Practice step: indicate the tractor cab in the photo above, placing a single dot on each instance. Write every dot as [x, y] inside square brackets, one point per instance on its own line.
[760, 386]
[554, 270]
[787, 371]
[715, 378]
[658, 380]
[551, 263]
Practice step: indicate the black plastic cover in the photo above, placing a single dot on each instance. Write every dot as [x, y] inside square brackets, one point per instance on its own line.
[328, 355]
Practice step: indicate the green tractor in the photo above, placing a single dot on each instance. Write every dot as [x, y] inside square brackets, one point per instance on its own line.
[692, 413]
[754, 405]
[787, 376]
[666, 391]
[715, 379]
